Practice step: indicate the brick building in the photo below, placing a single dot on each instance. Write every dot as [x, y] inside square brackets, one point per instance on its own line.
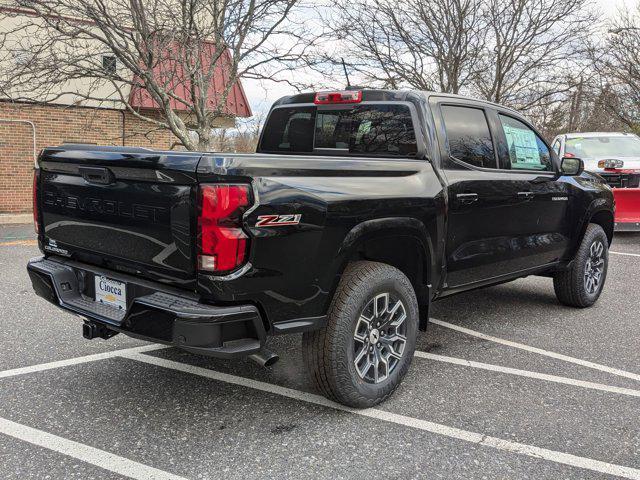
[25, 128]
[54, 125]
[58, 124]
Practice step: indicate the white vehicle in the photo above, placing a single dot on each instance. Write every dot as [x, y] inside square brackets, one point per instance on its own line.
[616, 157]
[596, 148]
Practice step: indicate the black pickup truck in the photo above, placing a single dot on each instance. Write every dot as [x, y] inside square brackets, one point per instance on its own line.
[359, 209]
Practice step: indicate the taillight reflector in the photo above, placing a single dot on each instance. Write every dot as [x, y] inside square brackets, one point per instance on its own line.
[346, 96]
[222, 242]
[36, 176]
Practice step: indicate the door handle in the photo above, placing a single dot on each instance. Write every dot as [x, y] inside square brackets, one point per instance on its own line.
[525, 195]
[467, 198]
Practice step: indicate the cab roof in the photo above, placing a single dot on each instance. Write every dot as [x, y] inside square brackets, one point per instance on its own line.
[387, 95]
[428, 94]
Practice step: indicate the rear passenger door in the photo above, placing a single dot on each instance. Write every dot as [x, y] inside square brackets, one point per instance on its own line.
[479, 220]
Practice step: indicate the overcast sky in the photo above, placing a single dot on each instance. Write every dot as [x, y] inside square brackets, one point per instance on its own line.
[610, 6]
[263, 94]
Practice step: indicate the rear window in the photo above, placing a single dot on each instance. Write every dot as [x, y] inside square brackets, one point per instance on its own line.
[385, 130]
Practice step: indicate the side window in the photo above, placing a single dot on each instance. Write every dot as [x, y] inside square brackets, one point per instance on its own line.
[468, 135]
[526, 150]
[556, 147]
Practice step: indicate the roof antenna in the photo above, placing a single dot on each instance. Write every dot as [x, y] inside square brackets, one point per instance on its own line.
[346, 74]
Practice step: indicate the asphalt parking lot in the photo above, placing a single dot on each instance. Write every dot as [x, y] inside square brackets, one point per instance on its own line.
[506, 384]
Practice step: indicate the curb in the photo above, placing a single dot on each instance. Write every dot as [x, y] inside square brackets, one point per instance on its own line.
[15, 218]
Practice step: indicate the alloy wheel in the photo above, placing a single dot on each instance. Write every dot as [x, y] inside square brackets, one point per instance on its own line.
[380, 338]
[594, 267]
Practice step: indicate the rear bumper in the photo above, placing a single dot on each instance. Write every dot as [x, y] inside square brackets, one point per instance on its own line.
[627, 216]
[153, 312]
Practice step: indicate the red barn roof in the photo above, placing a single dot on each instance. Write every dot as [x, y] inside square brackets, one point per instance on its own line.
[236, 105]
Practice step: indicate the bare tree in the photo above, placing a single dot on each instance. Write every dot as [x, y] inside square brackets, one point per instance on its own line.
[243, 138]
[532, 50]
[522, 53]
[585, 109]
[619, 67]
[424, 44]
[183, 56]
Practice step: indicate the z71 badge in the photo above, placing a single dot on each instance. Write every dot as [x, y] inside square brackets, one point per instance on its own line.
[278, 220]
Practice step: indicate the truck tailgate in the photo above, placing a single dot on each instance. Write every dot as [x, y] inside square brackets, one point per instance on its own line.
[129, 210]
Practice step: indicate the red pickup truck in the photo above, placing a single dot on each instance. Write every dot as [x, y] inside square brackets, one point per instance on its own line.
[616, 158]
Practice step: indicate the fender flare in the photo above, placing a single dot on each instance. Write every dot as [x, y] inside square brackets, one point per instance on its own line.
[597, 206]
[388, 227]
[401, 226]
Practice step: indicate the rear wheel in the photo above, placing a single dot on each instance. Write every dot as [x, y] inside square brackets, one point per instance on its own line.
[365, 350]
[582, 284]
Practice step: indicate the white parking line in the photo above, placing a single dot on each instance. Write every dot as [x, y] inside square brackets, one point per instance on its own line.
[75, 449]
[77, 360]
[94, 456]
[529, 374]
[624, 253]
[452, 432]
[425, 355]
[539, 351]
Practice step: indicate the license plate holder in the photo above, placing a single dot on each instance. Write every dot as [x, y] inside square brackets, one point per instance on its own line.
[111, 292]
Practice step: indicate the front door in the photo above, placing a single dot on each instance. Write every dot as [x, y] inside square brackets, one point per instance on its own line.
[541, 201]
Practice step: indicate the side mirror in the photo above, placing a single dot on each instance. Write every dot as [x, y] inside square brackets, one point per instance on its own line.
[571, 166]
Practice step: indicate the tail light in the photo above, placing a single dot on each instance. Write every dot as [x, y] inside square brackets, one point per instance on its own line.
[222, 242]
[346, 96]
[36, 177]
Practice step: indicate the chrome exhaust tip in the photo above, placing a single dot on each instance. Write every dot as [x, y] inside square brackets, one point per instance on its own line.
[264, 358]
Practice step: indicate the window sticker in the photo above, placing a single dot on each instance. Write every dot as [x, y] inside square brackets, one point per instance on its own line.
[523, 147]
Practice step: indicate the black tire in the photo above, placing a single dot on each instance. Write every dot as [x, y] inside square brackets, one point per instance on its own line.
[329, 353]
[572, 286]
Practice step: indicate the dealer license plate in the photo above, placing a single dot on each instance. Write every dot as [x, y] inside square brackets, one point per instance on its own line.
[111, 292]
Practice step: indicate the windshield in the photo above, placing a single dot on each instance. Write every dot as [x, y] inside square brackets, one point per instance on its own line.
[603, 147]
[385, 130]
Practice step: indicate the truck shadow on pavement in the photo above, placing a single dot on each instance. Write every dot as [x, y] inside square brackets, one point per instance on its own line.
[499, 302]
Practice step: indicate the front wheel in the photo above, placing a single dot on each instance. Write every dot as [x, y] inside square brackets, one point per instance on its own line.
[581, 285]
[365, 350]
